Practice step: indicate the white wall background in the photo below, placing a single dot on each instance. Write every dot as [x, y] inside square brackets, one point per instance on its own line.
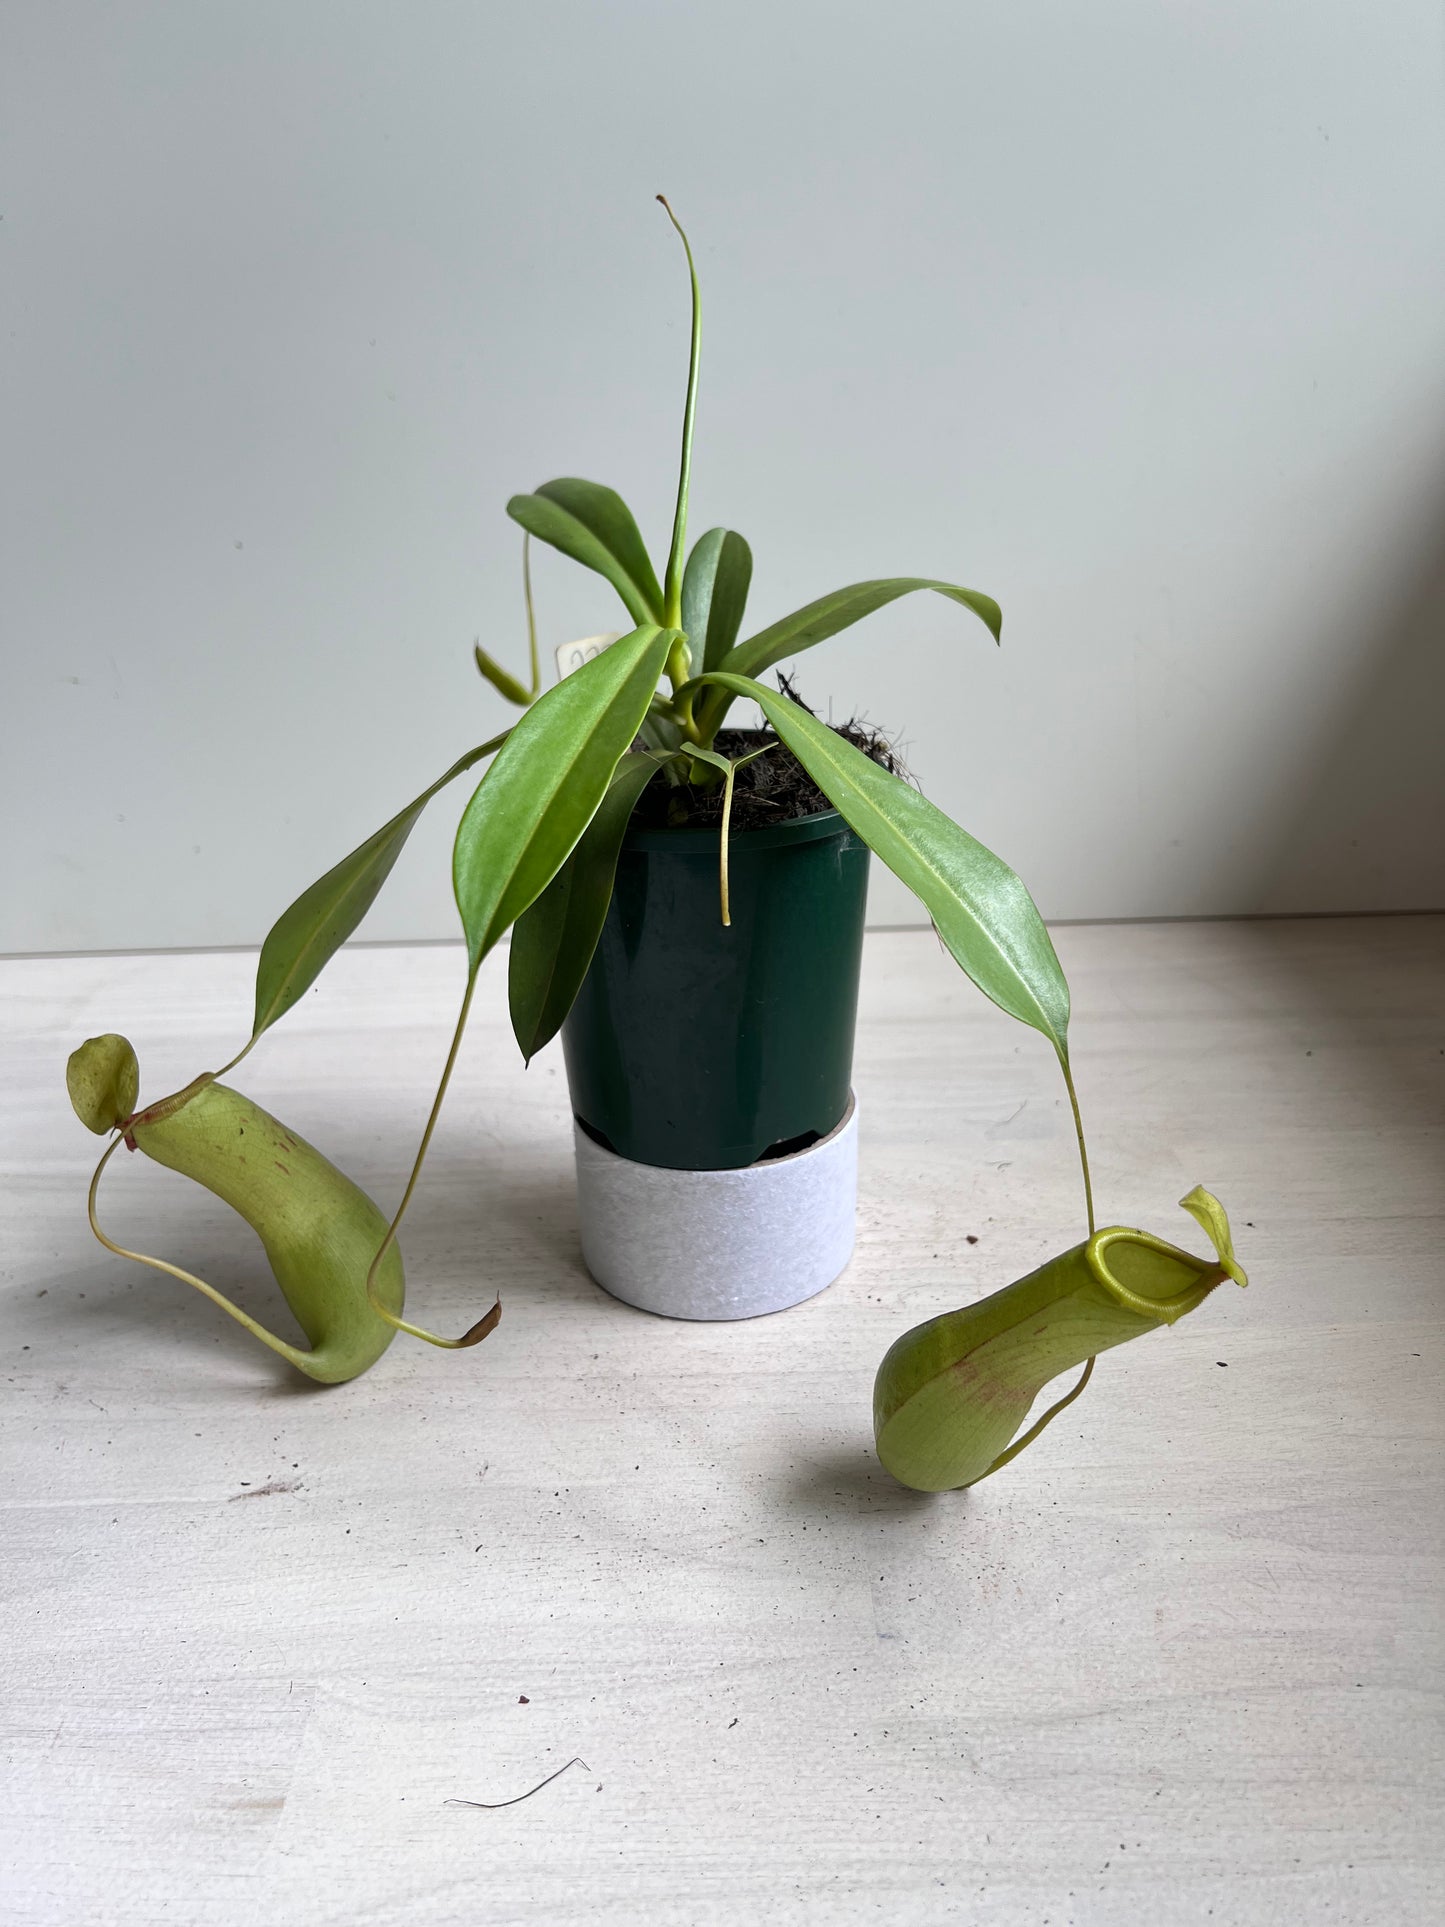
[1128, 312]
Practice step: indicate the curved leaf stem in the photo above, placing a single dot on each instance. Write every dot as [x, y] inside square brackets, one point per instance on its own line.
[722, 866]
[244, 1051]
[536, 688]
[734, 764]
[1079, 1134]
[1028, 1438]
[686, 719]
[484, 1325]
[293, 1354]
[672, 583]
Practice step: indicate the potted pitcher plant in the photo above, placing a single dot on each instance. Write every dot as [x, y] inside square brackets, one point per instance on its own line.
[685, 903]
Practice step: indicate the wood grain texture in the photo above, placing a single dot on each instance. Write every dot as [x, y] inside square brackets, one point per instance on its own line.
[1180, 1663]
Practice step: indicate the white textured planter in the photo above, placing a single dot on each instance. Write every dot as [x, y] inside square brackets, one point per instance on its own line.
[719, 1244]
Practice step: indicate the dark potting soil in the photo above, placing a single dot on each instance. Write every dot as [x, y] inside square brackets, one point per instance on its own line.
[771, 789]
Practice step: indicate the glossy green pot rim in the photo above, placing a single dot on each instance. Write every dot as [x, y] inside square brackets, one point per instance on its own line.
[704, 841]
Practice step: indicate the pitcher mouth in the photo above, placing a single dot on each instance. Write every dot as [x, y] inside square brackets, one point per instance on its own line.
[1149, 1266]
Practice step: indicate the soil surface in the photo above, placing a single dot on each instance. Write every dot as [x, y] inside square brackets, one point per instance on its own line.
[771, 789]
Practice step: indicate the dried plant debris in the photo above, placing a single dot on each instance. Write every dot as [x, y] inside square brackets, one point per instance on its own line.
[495, 1806]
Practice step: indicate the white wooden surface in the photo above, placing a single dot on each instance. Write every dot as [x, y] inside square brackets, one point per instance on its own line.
[1181, 1662]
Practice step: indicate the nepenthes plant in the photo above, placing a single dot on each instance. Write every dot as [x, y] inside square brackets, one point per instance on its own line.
[535, 854]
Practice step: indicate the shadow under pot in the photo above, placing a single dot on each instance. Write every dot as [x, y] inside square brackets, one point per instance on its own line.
[710, 1069]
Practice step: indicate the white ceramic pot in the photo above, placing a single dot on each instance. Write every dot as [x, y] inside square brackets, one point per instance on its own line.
[719, 1244]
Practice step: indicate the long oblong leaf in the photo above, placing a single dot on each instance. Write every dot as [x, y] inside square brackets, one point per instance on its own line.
[981, 909]
[831, 613]
[715, 593]
[595, 527]
[553, 942]
[305, 937]
[840, 610]
[540, 794]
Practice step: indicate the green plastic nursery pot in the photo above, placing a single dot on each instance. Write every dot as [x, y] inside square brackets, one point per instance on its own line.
[703, 1047]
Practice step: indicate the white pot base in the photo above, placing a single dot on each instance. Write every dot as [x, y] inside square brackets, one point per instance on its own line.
[719, 1244]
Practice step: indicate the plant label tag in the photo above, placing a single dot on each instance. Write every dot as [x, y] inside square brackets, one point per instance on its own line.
[572, 655]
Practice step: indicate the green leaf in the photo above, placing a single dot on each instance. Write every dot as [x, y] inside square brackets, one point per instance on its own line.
[983, 912]
[826, 617]
[542, 791]
[714, 758]
[502, 680]
[595, 527]
[715, 593]
[660, 733]
[553, 942]
[305, 938]
[841, 610]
